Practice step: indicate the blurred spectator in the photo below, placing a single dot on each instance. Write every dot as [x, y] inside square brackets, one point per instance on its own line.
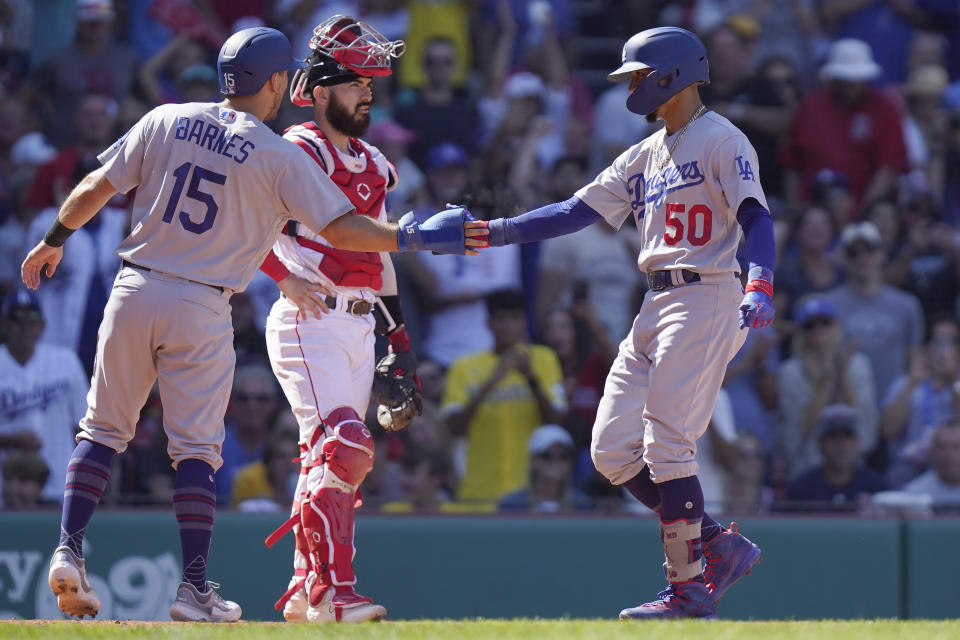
[198, 83]
[161, 77]
[13, 114]
[882, 322]
[823, 370]
[921, 400]
[585, 353]
[928, 264]
[437, 20]
[43, 388]
[885, 216]
[144, 475]
[439, 111]
[16, 43]
[925, 124]
[942, 482]
[267, 485]
[831, 190]
[716, 453]
[862, 123]
[596, 263]
[13, 229]
[840, 482]
[24, 476]
[393, 139]
[808, 265]
[450, 290]
[250, 415]
[426, 476]
[761, 109]
[94, 63]
[92, 116]
[550, 486]
[248, 334]
[745, 491]
[751, 384]
[528, 23]
[886, 27]
[496, 398]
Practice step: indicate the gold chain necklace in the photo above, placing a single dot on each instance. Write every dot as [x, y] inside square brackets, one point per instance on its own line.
[661, 160]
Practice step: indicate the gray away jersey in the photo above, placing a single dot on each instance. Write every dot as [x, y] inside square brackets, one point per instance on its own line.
[214, 188]
[686, 212]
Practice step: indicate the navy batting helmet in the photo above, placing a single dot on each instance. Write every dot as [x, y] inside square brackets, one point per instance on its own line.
[249, 57]
[676, 58]
[343, 49]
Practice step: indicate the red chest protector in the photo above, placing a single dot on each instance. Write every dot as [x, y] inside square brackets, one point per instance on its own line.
[366, 190]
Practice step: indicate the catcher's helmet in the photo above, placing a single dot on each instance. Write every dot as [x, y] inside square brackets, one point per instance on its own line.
[677, 59]
[249, 57]
[343, 49]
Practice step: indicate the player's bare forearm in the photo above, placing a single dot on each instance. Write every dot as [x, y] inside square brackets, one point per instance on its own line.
[86, 199]
[360, 233]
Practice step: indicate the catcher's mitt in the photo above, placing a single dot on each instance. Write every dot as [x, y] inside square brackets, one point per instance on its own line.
[397, 391]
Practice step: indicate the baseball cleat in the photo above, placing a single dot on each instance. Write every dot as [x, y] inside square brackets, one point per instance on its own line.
[295, 609]
[729, 557]
[679, 600]
[68, 581]
[193, 606]
[345, 606]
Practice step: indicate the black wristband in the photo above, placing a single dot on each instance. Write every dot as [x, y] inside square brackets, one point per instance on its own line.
[57, 234]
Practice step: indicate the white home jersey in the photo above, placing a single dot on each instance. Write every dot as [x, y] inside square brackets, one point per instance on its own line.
[185, 221]
[686, 205]
[355, 173]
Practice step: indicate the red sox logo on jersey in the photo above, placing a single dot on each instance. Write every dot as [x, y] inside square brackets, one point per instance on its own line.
[363, 190]
[655, 190]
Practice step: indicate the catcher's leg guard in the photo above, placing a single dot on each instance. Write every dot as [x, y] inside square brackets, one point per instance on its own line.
[327, 522]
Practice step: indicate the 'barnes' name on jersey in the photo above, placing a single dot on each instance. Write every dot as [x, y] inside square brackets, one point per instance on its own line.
[214, 138]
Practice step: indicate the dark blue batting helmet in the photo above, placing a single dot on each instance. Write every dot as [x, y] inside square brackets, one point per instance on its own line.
[677, 59]
[249, 57]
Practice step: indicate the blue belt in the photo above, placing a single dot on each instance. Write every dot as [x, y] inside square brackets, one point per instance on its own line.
[660, 280]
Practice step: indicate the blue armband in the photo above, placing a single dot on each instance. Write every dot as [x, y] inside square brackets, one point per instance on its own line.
[761, 249]
[557, 219]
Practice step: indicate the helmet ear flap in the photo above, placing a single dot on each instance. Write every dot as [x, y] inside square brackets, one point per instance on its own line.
[299, 95]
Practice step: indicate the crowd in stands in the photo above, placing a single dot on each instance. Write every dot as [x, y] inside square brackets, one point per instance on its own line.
[848, 403]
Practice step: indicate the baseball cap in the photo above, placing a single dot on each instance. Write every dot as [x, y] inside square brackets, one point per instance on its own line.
[18, 302]
[837, 418]
[198, 73]
[32, 148]
[446, 154]
[546, 436]
[814, 307]
[95, 10]
[388, 130]
[851, 60]
[524, 84]
[861, 232]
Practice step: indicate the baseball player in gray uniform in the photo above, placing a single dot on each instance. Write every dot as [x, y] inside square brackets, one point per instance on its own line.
[215, 186]
[694, 190]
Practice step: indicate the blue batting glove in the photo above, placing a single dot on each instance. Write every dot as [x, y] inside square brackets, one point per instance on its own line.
[441, 233]
[756, 310]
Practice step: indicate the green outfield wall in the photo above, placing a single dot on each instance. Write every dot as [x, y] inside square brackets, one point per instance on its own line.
[466, 566]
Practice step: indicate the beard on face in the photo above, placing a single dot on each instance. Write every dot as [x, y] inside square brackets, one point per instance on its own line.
[347, 123]
[651, 117]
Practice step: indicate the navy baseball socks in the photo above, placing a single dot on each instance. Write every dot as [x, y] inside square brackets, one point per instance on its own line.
[87, 474]
[688, 534]
[195, 504]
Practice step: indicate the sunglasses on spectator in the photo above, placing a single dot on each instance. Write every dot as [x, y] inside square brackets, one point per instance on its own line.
[438, 60]
[555, 456]
[857, 250]
[813, 323]
[262, 398]
[25, 317]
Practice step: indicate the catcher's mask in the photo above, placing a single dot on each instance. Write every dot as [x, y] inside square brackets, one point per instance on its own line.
[676, 58]
[343, 49]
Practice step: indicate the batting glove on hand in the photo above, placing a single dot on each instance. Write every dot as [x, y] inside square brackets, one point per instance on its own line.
[756, 310]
